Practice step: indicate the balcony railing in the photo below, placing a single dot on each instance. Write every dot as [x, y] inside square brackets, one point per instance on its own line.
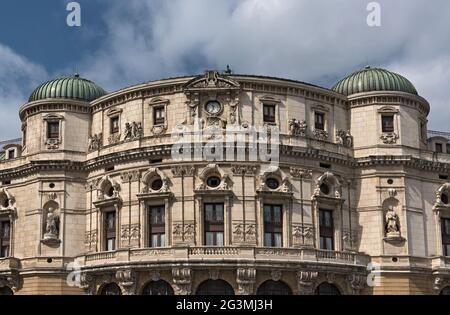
[247, 254]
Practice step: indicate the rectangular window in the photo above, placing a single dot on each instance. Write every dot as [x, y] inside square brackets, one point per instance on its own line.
[446, 236]
[273, 225]
[319, 121]
[110, 230]
[269, 113]
[11, 154]
[439, 147]
[157, 226]
[214, 224]
[159, 115]
[326, 227]
[114, 125]
[53, 130]
[5, 235]
[387, 123]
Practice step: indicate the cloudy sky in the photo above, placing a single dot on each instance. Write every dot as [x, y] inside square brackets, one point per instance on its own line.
[121, 43]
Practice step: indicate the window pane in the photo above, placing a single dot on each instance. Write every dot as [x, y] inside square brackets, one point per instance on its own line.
[446, 226]
[219, 213]
[387, 123]
[209, 238]
[219, 239]
[276, 214]
[267, 239]
[162, 240]
[267, 216]
[110, 244]
[329, 243]
[278, 240]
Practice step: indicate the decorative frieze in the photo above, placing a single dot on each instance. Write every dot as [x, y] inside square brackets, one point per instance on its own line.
[243, 169]
[114, 138]
[128, 177]
[244, 232]
[90, 238]
[183, 170]
[52, 143]
[133, 131]
[130, 232]
[297, 172]
[303, 234]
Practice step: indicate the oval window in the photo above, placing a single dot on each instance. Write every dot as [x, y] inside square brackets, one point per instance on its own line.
[213, 181]
[157, 184]
[325, 189]
[272, 183]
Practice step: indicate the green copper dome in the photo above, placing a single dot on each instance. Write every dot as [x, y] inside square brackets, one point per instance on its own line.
[74, 88]
[374, 79]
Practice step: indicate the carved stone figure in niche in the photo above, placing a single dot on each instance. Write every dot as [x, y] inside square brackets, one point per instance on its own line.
[345, 138]
[52, 226]
[392, 223]
[297, 128]
[95, 142]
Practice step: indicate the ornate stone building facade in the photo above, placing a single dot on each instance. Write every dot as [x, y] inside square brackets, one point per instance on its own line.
[93, 201]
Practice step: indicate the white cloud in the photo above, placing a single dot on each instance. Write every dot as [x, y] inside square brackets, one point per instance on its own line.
[18, 76]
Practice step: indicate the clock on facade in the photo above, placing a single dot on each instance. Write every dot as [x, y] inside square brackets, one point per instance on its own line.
[213, 107]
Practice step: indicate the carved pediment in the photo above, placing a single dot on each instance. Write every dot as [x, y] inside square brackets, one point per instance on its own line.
[212, 80]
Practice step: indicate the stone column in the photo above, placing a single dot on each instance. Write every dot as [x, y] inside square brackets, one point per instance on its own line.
[246, 278]
[306, 281]
[182, 278]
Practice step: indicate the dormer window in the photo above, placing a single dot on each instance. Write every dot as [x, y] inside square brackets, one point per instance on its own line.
[11, 154]
[387, 123]
[269, 113]
[319, 121]
[53, 130]
[439, 147]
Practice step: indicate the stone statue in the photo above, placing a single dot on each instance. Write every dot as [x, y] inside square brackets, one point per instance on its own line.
[297, 128]
[95, 142]
[52, 227]
[128, 131]
[344, 138]
[392, 226]
[137, 130]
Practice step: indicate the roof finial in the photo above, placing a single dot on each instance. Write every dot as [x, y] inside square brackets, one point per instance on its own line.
[76, 74]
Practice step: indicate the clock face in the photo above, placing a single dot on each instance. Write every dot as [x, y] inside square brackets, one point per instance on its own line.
[213, 107]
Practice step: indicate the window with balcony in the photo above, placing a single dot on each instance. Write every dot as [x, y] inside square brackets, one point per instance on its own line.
[326, 227]
[5, 236]
[157, 226]
[53, 130]
[214, 224]
[114, 124]
[446, 236]
[387, 123]
[269, 113]
[110, 230]
[319, 121]
[273, 225]
[159, 115]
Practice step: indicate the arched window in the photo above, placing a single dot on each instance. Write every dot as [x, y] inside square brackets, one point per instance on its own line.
[215, 287]
[445, 291]
[271, 287]
[327, 289]
[159, 287]
[111, 289]
[6, 291]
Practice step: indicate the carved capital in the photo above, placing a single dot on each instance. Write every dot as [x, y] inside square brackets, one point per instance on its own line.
[182, 278]
[246, 278]
[306, 281]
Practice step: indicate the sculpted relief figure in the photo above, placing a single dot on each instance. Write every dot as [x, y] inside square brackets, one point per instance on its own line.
[345, 138]
[297, 128]
[52, 226]
[128, 131]
[95, 142]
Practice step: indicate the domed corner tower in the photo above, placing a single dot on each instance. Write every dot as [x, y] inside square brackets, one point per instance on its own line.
[56, 118]
[387, 114]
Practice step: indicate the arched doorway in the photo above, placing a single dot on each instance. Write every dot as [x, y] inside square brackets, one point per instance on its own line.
[271, 287]
[327, 289]
[215, 287]
[159, 287]
[6, 291]
[445, 291]
[110, 289]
